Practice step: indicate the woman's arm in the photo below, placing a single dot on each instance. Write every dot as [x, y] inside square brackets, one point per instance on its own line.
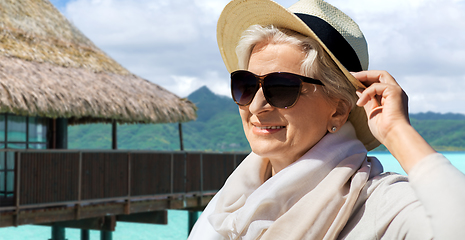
[386, 105]
[439, 186]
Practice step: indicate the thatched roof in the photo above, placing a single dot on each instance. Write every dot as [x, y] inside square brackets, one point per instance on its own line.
[49, 68]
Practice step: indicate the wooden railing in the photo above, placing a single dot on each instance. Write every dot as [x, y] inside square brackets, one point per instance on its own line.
[48, 178]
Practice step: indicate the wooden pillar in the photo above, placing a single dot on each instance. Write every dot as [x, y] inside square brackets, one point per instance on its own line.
[85, 234]
[106, 235]
[61, 133]
[192, 218]
[58, 233]
[59, 141]
[181, 144]
[109, 224]
[114, 134]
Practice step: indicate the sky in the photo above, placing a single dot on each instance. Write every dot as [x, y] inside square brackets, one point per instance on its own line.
[173, 43]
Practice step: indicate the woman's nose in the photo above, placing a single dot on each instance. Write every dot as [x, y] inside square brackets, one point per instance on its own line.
[259, 103]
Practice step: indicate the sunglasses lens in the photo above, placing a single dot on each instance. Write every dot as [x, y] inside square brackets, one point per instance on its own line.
[281, 90]
[243, 87]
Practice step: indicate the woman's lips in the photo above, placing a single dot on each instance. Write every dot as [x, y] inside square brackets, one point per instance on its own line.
[267, 129]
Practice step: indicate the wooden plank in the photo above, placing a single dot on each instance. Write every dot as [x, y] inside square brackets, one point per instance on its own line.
[47, 177]
[156, 217]
[151, 174]
[179, 172]
[149, 206]
[93, 211]
[165, 180]
[193, 172]
[107, 223]
[45, 215]
[216, 169]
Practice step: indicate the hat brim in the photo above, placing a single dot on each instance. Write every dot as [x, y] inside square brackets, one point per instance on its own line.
[239, 15]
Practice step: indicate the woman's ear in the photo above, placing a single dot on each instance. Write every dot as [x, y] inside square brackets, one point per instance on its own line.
[340, 115]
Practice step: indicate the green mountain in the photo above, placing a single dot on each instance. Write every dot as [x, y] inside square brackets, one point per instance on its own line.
[445, 132]
[437, 116]
[219, 128]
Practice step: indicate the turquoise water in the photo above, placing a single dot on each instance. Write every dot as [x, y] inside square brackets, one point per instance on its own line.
[177, 220]
[390, 164]
[176, 229]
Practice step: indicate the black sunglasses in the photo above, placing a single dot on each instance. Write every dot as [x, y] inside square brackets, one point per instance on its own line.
[281, 89]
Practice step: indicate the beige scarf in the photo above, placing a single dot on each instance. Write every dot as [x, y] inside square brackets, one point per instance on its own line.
[310, 199]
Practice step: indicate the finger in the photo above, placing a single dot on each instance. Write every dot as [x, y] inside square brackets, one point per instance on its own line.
[367, 102]
[372, 93]
[374, 76]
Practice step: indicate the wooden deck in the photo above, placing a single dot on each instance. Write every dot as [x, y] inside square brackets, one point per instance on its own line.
[90, 187]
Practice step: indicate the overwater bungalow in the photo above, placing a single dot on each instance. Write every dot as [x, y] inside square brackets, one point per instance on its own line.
[52, 76]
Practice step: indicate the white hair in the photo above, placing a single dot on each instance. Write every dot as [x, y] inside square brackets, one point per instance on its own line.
[316, 64]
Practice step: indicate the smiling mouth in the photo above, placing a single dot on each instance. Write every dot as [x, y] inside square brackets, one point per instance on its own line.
[270, 127]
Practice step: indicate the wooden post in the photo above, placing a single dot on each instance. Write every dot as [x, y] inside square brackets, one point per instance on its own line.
[60, 141]
[181, 144]
[85, 234]
[58, 233]
[61, 137]
[109, 223]
[114, 135]
[106, 235]
[192, 218]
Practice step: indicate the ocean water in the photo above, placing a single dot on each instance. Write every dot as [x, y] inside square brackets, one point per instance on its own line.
[390, 164]
[177, 220]
[176, 229]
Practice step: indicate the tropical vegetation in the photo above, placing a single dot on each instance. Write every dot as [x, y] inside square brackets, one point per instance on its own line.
[219, 128]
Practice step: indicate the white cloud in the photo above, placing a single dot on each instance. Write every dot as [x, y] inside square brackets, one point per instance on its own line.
[167, 42]
[183, 84]
[403, 33]
[127, 22]
[173, 43]
[420, 42]
[435, 93]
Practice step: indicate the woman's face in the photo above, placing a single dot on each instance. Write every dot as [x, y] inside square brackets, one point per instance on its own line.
[284, 135]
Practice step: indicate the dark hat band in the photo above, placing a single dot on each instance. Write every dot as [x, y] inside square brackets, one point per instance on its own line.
[334, 41]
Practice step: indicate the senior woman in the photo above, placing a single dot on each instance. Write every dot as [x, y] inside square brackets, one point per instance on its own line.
[308, 176]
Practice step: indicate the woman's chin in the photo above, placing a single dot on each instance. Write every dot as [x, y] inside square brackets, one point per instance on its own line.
[267, 149]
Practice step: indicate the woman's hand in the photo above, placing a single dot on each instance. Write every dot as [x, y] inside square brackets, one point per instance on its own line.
[384, 101]
[386, 106]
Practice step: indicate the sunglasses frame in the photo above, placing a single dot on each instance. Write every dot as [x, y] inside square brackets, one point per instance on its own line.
[261, 78]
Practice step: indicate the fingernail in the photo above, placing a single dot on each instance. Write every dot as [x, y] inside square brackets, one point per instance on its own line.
[359, 94]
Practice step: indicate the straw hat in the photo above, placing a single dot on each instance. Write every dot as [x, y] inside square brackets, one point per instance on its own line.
[337, 33]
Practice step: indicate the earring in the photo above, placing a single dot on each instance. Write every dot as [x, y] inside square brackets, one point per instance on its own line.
[333, 129]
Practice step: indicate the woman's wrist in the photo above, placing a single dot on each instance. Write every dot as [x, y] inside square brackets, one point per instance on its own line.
[407, 146]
